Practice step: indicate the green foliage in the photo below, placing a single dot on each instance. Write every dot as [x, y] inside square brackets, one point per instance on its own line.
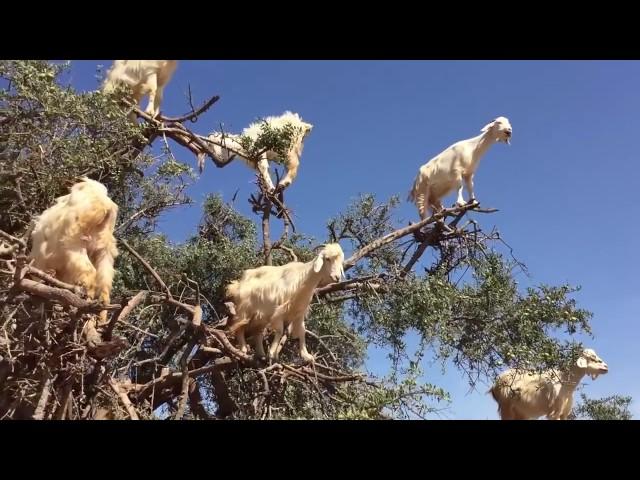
[482, 326]
[276, 139]
[408, 398]
[51, 135]
[614, 407]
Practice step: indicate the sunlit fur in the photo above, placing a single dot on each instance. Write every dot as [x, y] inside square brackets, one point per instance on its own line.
[523, 395]
[74, 239]
[143, 77]
[279, 296]
[454, 166]
[291, 160]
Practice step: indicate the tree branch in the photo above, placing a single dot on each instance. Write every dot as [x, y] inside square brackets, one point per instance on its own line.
[193, 115]
[390, 237]
[125, 311]
[125, 399]
[63, 296]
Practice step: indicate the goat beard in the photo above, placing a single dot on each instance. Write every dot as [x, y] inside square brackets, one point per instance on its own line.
[594, 376]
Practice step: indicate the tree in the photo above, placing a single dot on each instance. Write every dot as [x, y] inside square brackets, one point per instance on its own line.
[166, 352]
[614, 407]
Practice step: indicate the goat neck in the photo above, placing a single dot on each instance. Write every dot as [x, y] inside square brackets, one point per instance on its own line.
[571, 377]
[311, 280]
[482, 143]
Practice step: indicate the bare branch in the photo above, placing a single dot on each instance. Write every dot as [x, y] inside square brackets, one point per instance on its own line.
[54, 281]
[193, 115]
[150, 269]
[13, 239]
[38, 414]
[63, 296]
[125, 399]
[125, 311]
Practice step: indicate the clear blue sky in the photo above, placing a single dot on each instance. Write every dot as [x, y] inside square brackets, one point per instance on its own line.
[566, 187]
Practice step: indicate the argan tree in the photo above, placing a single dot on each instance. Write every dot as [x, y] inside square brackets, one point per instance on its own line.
[166, 351]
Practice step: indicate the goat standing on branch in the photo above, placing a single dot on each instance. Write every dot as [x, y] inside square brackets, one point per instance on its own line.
[227, 146]
[279, 296]
[143, 77]
[527, 395]
[454, 167]
[74, 238]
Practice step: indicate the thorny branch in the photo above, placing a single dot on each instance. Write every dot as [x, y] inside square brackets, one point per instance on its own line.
[427, 238]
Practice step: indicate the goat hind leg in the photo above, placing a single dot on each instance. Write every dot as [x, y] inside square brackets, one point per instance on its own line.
[158, 101]
[422, 202]
[263, 168]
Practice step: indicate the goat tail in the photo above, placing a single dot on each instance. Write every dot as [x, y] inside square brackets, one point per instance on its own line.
[231, 294]
[231, 291]
[494, 391]
[413, 193]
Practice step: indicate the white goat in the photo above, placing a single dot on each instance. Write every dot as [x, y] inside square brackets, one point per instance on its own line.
[74, 239]
[279, 296]
[528, 395]
[293, 154]
[144, 77]
[454, 166]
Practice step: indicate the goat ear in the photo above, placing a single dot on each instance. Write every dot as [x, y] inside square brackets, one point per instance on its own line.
[581, 362]
[317, 264]
[315, 249]
[487, 126]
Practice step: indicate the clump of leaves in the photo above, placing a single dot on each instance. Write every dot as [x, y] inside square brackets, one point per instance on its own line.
[276, 139]
[613, 407]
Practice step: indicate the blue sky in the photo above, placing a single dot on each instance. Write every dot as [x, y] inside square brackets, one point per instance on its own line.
[565, 188]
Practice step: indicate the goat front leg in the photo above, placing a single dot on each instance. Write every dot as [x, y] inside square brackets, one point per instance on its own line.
[468, 181]
[104, 281]
[151, 86]
[79, 267]
[566, 408]
[258, 346]
[278, 327]
[293, 162]
[263, 168]
[460, 201]
[299, 331]
[137, 100]
[242, 341]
